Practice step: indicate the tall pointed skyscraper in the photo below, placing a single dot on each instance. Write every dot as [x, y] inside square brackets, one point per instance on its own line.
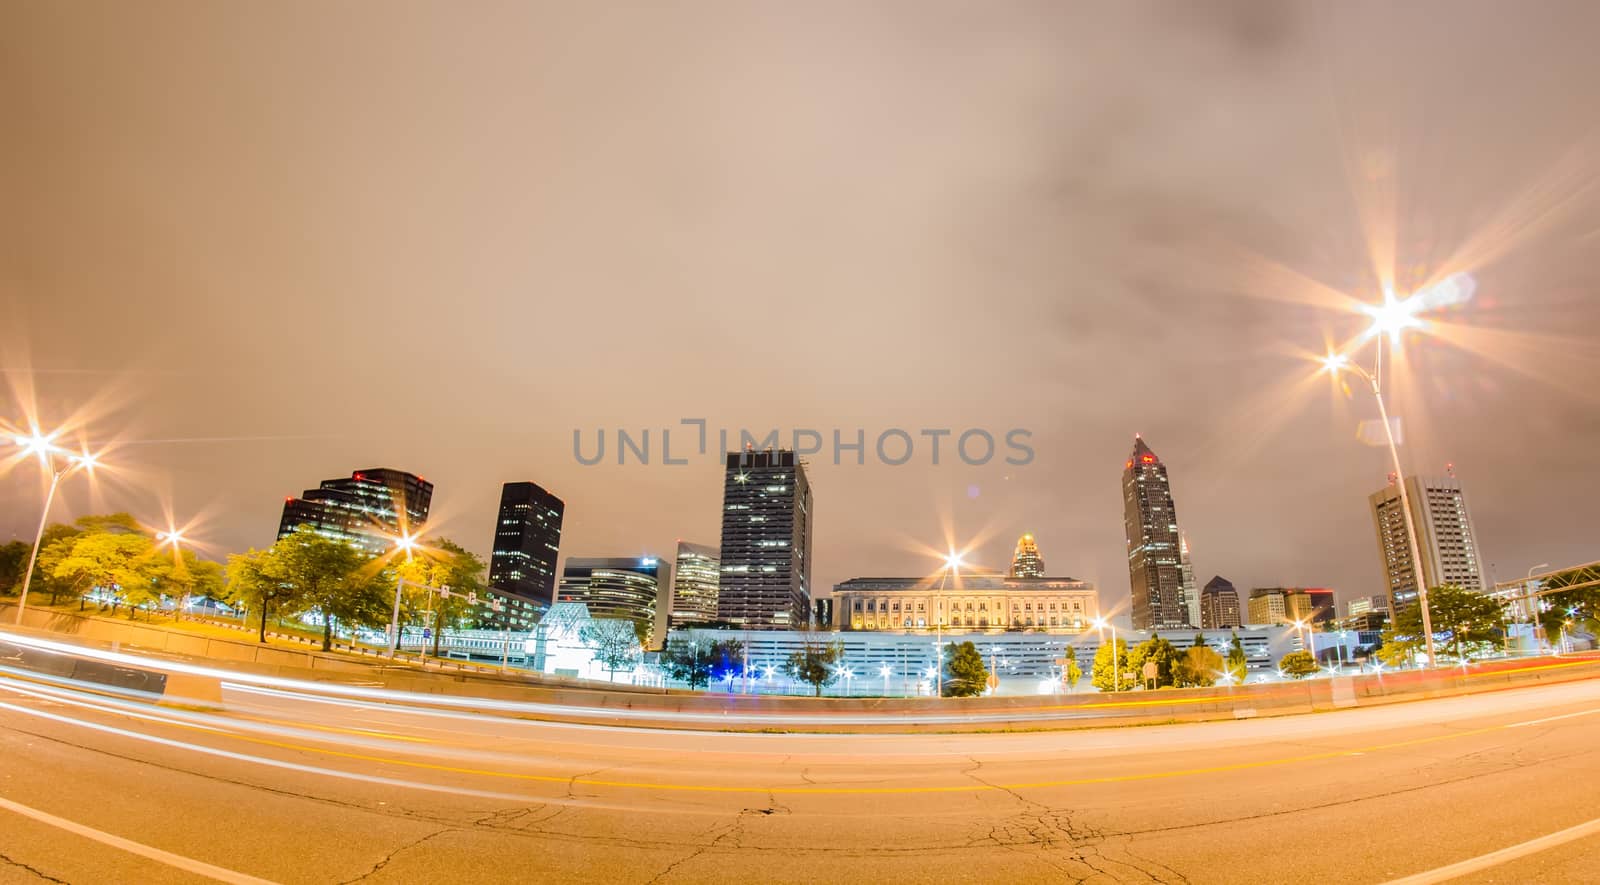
[1026, 561]
[1190, 601]
[1155, 571]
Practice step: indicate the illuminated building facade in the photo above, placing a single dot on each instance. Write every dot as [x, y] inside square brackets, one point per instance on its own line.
[1189, 592]
[1155, 569]
[966, 602]
[1219, 604]
[527, 537]
[694, 584]
[1026, 561]
[1267, 606]
[1446, 539]
[368, 509]
[617, 587]
[766, 542]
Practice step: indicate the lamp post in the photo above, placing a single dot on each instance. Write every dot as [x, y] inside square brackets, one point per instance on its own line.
[47, 450]
[174, 538]
[1528, 606]
[1391, 319]
[1101, 624]
[405, 542]
[952, 562]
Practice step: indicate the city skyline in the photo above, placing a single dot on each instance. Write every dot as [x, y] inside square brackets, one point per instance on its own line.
[1220, 262]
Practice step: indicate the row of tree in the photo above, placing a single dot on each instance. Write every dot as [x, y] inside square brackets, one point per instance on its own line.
[114, 555]
[115, 560]
[1116, 668]
[305, 572]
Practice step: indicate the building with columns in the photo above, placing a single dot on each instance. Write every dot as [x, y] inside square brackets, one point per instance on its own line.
[968, 602]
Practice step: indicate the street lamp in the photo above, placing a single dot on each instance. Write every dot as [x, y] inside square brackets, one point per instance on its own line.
[44, 446]
[1101, 624]
[952, 566]
[405, 542]
[1389, 320]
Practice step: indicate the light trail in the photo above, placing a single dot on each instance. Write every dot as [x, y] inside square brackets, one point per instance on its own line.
[574, 781]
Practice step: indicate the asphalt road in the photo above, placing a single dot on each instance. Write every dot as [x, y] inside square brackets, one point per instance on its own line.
[286, 788]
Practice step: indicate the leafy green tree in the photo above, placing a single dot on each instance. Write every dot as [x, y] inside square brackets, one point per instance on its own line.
[1568, 609]
[616, 645]
[254, 583]
[816, 663]
[1160, 651]
[1461, 619]
[1072, 672]
[968, 676]
[106, 560]
[696, 661]
[333, 578]
[1106, 667]
[185, 576]
[1238, 663]
[1197, 667]
[13, 562]
[1298, 664]
[445, 564]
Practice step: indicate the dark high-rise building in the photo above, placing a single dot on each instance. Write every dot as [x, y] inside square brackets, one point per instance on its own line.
[694, 585]
[766, 542]
[1323, 608]
[621, 587]
[1219, 604]
[527, 537]
[368, 509]
[1155, 571]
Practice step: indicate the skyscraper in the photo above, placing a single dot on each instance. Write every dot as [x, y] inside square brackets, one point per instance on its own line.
[1189, 597]
[1446, 539]
[694, 584]
[1026, 561]
[766, 541]
[368, 509]
[621, 587]
[1155, 574]
[527, 538]
[1219, 604]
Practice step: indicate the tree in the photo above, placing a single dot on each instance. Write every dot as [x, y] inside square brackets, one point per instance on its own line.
[333, 578]
[185, 576]
[696, 661]
[816, 663]
[1462, 617]
[968, 676]
[1238, 663]
[1159, 651]
[252, 585]
[105, 560]
[1105, 667]
[614, 641]
[445, 564]
[1071, 672]
[1298, 664]
[13, 562]
[1580, 607]
[1197, 667]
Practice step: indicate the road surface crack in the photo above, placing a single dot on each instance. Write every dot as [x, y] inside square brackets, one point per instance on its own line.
[13, 862]
[388, 858]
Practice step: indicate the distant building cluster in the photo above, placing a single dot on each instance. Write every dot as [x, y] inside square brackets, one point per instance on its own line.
[759, 578]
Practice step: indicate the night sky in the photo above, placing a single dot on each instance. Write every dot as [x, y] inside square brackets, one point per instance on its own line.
[263, 245]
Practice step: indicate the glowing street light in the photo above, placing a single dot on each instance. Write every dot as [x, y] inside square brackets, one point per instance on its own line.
[1100, 624]
[43, 445]
[1389, 320]
[405, 542]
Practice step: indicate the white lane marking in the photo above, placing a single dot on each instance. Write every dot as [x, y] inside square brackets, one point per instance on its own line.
[1495, 858]
[1554, 718]
[188, 864]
